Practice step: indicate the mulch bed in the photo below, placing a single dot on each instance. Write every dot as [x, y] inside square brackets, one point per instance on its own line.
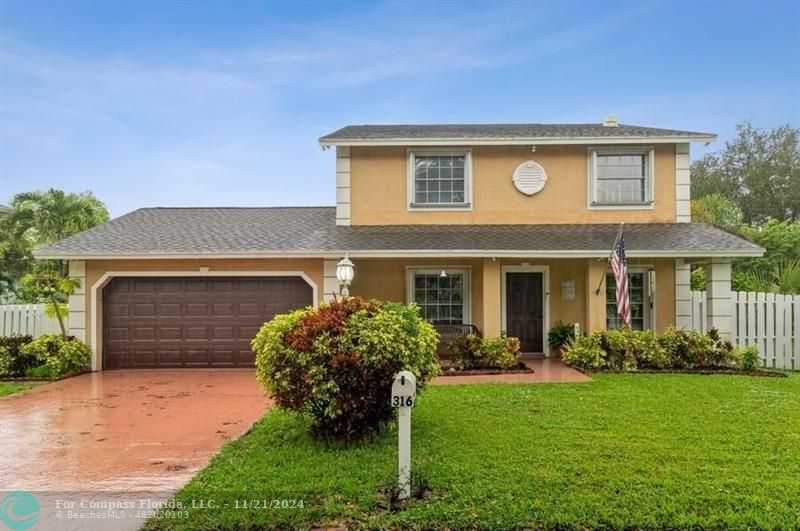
[24, 379]
[451, 370]
[734, 372]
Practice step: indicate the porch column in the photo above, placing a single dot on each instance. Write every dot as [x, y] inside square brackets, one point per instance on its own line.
[76, 320]
[683, 294]
[330, 284]
[492, 324]
[595, 302]
[718, 296]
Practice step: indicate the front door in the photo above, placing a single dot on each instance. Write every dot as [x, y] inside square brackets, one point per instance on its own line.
[525, 310]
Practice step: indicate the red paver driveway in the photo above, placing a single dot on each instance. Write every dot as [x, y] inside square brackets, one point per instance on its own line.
[123, 430]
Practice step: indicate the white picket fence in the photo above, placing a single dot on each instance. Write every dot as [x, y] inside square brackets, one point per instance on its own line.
[769, 321]
[26, 319]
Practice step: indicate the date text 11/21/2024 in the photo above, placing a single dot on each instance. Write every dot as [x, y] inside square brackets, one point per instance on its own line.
[266, 504]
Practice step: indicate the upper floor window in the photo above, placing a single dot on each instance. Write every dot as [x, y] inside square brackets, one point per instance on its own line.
[621, 177]
[439, 179]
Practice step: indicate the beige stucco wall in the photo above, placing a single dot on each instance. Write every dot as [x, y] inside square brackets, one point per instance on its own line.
[386, 279]
[95, 269]
[378, 188]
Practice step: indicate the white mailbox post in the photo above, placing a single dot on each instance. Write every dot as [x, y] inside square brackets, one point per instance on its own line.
[404, 394]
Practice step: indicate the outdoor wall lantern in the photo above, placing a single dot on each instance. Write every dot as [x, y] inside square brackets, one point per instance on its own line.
[344, 274]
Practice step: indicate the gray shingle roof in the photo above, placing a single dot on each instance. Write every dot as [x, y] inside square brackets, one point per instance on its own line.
[468, 132]
[312, 231]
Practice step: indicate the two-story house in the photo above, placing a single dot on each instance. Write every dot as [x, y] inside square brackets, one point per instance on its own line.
[505, 227]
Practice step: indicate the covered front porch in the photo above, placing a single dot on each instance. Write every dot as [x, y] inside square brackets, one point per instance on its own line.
[524, 298]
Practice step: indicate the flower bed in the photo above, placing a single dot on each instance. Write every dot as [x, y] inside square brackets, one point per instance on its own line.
[449, 369]
[625, 350]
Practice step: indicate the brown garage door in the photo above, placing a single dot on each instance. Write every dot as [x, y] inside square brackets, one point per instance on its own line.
[191, 322]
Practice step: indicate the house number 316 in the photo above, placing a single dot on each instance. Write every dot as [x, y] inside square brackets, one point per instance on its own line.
[402, 401]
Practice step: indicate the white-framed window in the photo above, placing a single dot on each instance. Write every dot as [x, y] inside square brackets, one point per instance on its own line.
[443, 299]
[621, 177]
[640, 285]
[439, 179]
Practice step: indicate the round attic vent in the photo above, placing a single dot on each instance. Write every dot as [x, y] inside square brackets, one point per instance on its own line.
[529, 177]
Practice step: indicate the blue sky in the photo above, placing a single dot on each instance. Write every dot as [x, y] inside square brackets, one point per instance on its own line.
[221, 103]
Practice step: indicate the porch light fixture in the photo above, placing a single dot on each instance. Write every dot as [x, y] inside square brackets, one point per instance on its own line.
[344, 274]
[443, 274]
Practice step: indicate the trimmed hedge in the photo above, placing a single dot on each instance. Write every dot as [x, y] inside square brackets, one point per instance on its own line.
[624, 349]
[337, 363]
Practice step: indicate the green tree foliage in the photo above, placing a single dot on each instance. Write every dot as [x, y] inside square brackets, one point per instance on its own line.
[758, 170]
[779, 269]
[717, 210]
[54, 290]
[39, 218]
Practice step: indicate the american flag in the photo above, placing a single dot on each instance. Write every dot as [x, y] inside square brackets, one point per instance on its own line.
[620, 268]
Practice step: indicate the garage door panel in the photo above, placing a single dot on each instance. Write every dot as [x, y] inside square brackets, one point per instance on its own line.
[192, 322]
[144, 310]
[170, 309]
[142, 333]
[196, 332]
[170, 333]
[222, 333]
[117, 334]
[246, 357]
[197, 309]
[143, 286]
[249, 309]
[223, 309]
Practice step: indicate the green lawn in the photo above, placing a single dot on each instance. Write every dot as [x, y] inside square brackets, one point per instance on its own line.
[8, 388]
[622, 451]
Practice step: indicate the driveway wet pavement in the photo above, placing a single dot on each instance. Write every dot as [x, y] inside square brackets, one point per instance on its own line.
[117, 431]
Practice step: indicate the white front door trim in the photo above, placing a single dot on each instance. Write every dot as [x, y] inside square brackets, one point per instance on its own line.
[545, 270]
[95, 340]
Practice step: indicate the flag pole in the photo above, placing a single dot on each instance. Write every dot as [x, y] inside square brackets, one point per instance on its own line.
[613, 247]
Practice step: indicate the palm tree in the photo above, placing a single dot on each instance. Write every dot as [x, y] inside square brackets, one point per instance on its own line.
[46, 217]
[783, 277]
[39, 218]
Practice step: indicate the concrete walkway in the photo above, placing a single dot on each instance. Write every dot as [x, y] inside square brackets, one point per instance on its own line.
[550, 370]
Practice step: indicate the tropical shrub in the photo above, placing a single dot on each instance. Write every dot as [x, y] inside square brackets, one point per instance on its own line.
[5, 361]
[502, 351]
[748, 359]
[466, 351]
[20, 362]
[337, 363]
[586, 352]
[61, 355]
[474, 352]
[624, 349]
[561, 334]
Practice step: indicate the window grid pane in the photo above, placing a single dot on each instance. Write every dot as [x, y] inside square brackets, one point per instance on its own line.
[637, 301]
[441, 299]
[439, 179]
[621, 178]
